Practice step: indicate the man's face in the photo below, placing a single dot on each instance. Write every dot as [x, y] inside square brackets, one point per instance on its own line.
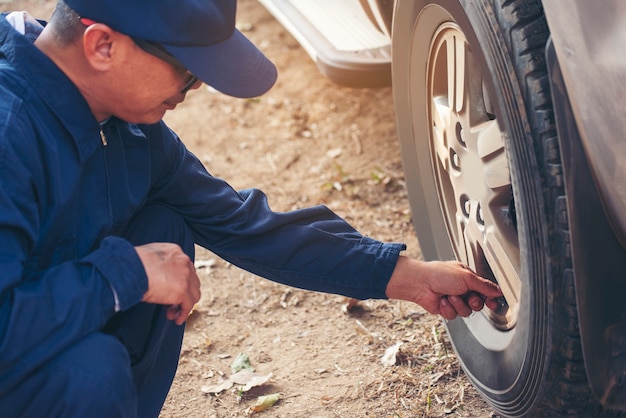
[149, 86]
[135, 80]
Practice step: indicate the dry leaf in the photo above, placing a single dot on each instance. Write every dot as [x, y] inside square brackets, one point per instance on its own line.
[349, 304]
[449, 408]
[204, 263]
[225, 385]
[334, 153]
[435, 377]
[389, 358]
[249, 379]
[265, 402]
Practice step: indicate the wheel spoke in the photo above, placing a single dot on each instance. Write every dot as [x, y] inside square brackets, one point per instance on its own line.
[491, 151]
[441, 121]
[455, 52]
[473, 235]
[505, 268]
[497, 172]
[489, 139]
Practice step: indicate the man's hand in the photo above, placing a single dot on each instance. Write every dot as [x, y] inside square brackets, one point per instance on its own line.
[172, 279]
[447, 288]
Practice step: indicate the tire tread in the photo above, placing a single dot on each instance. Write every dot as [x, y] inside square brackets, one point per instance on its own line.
[526, 31]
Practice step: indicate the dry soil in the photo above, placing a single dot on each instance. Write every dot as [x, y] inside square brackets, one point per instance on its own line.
[306, 142]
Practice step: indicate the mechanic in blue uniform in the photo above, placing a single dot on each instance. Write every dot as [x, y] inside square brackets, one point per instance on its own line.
[101, 205]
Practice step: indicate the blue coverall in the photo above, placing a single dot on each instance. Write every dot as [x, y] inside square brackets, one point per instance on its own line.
[76, 196]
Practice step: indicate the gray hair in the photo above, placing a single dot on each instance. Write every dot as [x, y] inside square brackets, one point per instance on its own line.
[66, 24]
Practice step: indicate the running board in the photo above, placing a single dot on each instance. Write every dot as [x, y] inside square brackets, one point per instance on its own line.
[340, 38]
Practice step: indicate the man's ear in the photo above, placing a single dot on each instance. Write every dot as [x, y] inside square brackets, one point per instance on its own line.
[99, 43]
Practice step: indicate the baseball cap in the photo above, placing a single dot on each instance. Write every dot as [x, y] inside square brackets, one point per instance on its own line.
[200, 34]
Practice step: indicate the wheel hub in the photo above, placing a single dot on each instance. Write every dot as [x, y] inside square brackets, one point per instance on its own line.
[471, 169]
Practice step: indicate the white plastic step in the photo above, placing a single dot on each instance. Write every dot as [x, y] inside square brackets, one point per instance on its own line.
[338, 35]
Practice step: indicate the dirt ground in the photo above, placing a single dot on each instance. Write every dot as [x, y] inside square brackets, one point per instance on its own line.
[306, 142]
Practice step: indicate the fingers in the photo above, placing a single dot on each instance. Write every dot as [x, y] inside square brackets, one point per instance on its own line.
[180, 307]
[452, 306]
[492, 303]
[478, 283]
[460, 306]
[173, 311]
[446, 310]
[486, 287]
[475, 301]
[178, 313]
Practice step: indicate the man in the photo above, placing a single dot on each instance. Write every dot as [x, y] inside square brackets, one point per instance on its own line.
[101, 206]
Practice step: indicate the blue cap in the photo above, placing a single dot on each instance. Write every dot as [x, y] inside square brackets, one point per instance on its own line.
[200, 34]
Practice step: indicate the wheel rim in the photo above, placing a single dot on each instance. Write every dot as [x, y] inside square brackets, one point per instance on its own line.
[471, 172]
[447, 128]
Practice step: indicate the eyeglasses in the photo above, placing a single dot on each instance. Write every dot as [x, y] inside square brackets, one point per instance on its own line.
[160, 52]
[191, 81]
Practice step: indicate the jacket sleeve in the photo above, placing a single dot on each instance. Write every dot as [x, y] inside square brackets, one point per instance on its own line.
[310, 248]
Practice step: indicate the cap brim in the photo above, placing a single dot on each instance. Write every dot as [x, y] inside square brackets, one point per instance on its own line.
[235, 67]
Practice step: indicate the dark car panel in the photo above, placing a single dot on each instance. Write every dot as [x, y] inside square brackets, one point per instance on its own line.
[598, 257]
[588, 83]
[589, 39]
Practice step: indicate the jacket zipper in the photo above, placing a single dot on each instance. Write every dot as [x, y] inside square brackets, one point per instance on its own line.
[103, 138]
[107, 184]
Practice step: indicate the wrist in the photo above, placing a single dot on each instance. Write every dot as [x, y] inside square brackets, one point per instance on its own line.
[403, 281]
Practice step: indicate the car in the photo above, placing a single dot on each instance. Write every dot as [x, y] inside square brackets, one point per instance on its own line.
[510, 117]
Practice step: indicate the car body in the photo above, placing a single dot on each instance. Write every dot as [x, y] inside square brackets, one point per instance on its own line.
[510, 121]
[589, 83]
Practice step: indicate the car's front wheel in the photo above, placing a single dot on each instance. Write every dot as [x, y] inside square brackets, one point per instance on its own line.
[483, 172]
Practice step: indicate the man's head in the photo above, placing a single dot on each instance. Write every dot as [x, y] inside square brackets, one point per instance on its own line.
[199, 34]
[135, 59]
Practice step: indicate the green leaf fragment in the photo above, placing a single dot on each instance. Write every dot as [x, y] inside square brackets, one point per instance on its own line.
[241, 362]
[265, 402]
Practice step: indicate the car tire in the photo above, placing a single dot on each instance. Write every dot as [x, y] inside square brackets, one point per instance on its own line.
[484, 178]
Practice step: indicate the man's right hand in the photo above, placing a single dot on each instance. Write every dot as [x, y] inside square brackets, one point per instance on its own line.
[172, 279]
[446, 288]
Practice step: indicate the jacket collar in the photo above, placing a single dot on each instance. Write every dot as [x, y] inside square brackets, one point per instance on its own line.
[52, 86]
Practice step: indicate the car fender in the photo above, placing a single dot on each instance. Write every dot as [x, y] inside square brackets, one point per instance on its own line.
[598, 257]
[588, 39]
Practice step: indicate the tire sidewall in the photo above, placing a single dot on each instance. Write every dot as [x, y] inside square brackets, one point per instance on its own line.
[511, 379]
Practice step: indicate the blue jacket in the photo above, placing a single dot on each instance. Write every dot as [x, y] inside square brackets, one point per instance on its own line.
[64, 196]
